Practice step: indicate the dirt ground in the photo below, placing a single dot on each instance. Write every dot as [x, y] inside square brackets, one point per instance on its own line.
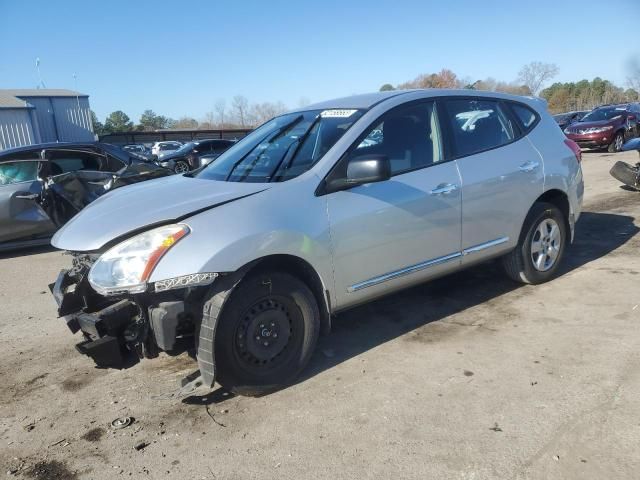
[467, 377]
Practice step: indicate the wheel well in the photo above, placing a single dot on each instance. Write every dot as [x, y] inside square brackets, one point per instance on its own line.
[303, 271]
[560, 200]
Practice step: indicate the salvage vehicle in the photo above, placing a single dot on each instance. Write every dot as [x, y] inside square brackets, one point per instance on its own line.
[609, 126]
[193, 155]
[565, 119]
[42, 186]
[159, 150]
[317, 211]
[626, 173]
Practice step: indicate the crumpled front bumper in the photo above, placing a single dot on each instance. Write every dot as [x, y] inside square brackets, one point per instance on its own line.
[103, 324]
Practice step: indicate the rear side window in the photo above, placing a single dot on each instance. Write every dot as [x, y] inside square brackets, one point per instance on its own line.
[478, 125]
[528, 117]
[16, 172]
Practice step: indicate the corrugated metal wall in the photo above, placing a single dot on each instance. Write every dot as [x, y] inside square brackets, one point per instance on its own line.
[73, 119]
[15, 128]
[63, 119]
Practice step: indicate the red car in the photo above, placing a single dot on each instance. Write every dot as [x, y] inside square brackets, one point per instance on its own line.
[608, 127]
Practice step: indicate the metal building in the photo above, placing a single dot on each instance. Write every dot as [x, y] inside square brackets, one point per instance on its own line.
[29, 116]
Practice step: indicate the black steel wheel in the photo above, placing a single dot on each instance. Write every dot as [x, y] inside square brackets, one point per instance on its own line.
[266, 333]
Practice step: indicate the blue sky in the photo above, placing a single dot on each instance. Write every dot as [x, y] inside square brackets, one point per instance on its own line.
[178, 58]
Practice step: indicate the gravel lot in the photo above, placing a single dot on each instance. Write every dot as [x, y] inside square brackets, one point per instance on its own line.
[468, 377]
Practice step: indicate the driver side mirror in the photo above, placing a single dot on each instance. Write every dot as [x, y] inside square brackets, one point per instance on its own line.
[359, 170]
[368, 169]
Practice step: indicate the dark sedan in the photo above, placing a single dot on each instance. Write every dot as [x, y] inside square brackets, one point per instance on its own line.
[565, 119]
[43, 186]
[195, 154]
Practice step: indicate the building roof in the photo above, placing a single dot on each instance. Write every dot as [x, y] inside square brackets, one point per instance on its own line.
[9, 101]
[41, 92]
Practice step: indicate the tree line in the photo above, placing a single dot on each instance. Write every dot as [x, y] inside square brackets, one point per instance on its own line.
[531, 80]
[238, 114]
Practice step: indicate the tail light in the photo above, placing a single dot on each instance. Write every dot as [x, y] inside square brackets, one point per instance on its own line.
[575, 148]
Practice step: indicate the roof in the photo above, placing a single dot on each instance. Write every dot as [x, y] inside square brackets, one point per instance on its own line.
[9, 101]
[41, 92]
[368, 100]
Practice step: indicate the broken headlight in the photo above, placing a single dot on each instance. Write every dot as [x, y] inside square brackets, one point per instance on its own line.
[126, 268]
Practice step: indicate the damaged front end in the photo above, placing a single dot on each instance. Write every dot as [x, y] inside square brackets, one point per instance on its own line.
[121, 328]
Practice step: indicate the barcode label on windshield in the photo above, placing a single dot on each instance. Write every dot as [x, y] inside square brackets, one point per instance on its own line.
[337, 113]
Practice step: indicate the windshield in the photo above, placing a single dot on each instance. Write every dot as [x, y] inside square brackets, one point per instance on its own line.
[603, 114]
[282, 148]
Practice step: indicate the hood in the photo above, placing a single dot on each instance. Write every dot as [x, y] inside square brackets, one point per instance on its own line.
[584, 125]
[142, 205]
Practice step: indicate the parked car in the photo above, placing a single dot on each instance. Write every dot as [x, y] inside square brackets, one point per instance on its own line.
[565, 119]
[303, 218]
[196, 154]
[607, 127]
[161, 149]
[43, 186]
[139, 150]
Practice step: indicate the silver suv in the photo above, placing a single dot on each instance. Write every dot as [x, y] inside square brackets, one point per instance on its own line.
[317, 211]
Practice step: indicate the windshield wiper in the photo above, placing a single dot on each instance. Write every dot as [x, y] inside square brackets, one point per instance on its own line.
[299, 144]
[271, 137]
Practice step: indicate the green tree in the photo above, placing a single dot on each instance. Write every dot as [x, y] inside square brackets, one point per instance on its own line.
[149, 121]
[386, 87]
[118, 121]
[98, 127]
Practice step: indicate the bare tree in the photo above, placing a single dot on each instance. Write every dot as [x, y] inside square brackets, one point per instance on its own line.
[209, 121]
[240, 106]
[535, 74]
[219, 107]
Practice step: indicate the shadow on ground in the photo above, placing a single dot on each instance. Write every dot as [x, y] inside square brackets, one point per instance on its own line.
[365, 327]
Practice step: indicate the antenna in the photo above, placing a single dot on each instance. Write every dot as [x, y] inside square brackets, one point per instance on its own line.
[40, 82]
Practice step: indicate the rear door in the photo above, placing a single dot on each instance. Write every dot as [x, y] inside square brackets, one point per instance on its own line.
[21, 216]
[502, 174]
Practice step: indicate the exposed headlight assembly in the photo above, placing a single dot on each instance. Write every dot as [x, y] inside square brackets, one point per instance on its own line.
[126, 268]
[597, 129]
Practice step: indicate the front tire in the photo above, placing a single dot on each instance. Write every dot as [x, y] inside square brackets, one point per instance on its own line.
[618, 142]
[540, 247]
[266, 333]
[181, 167]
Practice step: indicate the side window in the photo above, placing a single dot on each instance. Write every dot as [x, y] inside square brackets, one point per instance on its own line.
[528, 117]
[16, 172]
[478, 125]
[64, 161]
[113, 164]
[408, 136]
[221, 146]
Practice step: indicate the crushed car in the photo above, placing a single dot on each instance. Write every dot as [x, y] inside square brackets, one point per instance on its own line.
[317, 211]
[625, 173]
[43, 186]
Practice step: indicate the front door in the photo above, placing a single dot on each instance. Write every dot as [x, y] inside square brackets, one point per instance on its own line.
[391, 234]
[21, 216]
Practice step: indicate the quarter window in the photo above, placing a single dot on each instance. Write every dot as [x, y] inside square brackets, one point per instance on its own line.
[408, 136]
[16, 172]
[527, 116]
[478, 125]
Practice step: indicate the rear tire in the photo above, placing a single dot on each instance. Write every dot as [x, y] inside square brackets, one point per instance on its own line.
[616, 144]
[540, 247]
[266, 333]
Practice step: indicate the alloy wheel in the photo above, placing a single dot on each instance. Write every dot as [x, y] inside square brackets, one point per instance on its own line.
[545, 245]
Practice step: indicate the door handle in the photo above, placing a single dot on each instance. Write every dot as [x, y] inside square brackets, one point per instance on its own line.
[528, 166]
[443, 189]
[27, 196]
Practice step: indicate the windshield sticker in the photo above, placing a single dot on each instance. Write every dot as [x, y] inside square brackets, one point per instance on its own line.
[337, 113]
